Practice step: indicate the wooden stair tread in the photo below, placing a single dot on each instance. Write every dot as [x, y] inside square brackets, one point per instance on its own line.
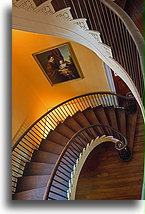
[102, 118]
[44, 157]
[65, 130]
[72, 124]
[57, 138]
[81, 119]
[38, 193]
[131, 126]
[121, 120]
[34, 194]
[75, 126]
[101, 115]
[91, 117]
[32, 182]
[37, 168]
[83, 122]
[111, 116]
[49, 146]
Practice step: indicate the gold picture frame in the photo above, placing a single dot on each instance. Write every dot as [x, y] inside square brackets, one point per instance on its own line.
[59, 64]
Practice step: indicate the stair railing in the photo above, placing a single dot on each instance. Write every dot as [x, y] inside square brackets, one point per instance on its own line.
[23, 149]
[58, 183]
[117, 31]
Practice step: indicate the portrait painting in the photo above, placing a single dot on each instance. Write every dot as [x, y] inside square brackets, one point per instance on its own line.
[59, 64]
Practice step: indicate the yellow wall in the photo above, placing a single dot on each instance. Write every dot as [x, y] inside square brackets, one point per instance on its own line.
[31, 91]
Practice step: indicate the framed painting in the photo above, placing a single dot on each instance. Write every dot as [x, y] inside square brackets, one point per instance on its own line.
[59, 64]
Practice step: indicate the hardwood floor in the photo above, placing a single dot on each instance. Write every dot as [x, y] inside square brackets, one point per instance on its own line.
[105, 177]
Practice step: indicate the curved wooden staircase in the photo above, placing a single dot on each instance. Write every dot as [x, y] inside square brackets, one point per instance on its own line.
[39, 155]
[32, 185]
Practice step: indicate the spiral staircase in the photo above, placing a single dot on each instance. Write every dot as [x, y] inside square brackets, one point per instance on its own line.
[48, 157]
[48, 171]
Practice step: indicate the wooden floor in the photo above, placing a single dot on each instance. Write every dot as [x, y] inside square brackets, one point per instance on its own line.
[105, 177]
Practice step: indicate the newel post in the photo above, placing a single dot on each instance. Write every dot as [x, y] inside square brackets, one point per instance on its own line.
[123, 150]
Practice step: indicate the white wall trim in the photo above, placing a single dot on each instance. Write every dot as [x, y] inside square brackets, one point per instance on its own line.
[110, 78]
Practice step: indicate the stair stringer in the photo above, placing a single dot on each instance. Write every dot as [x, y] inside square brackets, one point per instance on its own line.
[81, 160]
[28, 17]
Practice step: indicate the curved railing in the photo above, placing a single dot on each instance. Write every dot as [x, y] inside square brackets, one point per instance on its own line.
[58, 183]
[117, 30]
[130, 27]
[23, 149]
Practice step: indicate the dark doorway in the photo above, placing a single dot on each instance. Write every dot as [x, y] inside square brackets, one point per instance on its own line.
[120, 85]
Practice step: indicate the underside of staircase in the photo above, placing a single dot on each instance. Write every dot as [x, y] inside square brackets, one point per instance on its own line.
[32, 185]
